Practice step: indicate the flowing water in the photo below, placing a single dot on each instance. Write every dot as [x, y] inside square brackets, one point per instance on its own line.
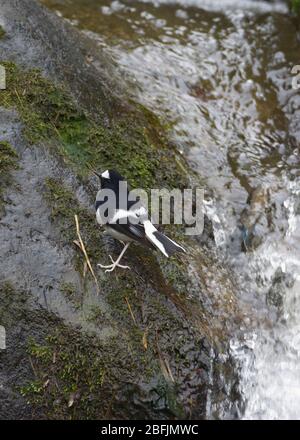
[219, 74]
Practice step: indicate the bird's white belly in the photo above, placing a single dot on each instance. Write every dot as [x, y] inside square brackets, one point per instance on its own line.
[117, 235]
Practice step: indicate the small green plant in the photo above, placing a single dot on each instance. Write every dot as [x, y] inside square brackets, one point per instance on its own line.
[2, 32]
[8, 162]
[295, 6]
[8, 157]
[42, 352]
[68, 289]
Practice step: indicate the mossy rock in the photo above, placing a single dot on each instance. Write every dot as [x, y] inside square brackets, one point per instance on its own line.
[65, 374]
[157, 362]
[86, 381]
[133, 141]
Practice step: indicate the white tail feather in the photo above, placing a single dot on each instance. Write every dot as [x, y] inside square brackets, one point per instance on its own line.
[149, 230]
[161, 241]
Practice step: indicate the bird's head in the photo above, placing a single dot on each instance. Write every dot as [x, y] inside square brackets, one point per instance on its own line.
[109, 178]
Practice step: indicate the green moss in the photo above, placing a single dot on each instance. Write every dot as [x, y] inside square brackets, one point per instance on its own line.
[67, 373]
[68, 289]
[8, 157]
[75, 377]
[39, 351]
[34, 390]
[72, 294]
[132, 142]
[96, 315]
[41, 106]
[295, 5]
[8, 162]
[116, 299]
[2, 32]
[64, 206]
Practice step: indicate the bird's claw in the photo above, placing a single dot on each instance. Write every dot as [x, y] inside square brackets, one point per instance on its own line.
[112, 266]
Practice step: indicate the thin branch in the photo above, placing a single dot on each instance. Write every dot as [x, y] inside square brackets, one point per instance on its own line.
[85, 253]
[164, 364]
[130, 310]
[33, 368]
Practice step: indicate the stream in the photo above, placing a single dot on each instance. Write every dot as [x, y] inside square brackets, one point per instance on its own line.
[218, 73]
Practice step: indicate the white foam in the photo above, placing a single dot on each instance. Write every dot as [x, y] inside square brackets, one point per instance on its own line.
[224, 5]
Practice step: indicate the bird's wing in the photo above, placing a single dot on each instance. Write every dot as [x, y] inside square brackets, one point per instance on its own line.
[135, 232]
[167, 246]
[133, 227]
[139, 228]
[144, 231]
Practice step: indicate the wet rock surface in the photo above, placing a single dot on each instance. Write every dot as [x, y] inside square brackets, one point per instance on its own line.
[153, 342]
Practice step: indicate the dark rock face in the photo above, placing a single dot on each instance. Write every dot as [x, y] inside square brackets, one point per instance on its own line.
[153, 342]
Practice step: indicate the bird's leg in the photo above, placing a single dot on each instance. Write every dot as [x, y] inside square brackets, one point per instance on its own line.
[115, 264]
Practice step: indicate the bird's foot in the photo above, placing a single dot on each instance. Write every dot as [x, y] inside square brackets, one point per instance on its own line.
[112, 266]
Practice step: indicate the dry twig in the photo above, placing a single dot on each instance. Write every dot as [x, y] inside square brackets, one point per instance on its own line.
[82, 247]
[130, 310]
[164, 364]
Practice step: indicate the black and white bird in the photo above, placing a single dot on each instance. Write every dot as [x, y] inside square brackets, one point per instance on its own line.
[129, 224]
